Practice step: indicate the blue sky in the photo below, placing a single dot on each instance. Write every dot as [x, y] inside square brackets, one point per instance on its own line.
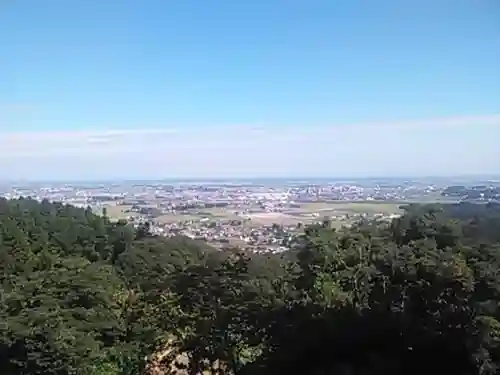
[216, 88]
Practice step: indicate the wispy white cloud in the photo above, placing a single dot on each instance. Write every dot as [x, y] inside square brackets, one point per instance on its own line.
[435, 146]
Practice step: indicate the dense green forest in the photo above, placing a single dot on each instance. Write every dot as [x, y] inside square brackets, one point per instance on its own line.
[82, 295]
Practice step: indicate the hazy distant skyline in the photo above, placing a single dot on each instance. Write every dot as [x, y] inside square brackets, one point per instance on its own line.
[121, 89]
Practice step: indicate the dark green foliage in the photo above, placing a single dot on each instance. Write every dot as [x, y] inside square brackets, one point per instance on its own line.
[82, 295]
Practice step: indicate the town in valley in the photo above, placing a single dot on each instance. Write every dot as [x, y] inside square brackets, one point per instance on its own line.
[257, 215]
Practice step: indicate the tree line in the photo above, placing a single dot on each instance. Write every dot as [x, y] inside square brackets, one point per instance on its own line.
[480, 192]
[83, 295]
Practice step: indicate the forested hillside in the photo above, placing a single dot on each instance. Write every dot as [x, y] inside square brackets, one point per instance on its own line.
[82, 295]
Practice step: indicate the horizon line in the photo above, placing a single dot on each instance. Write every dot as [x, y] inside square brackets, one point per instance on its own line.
[250, 178]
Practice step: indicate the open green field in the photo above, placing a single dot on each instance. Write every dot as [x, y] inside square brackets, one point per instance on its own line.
[272, 218]
[266, 219]
[171, 218]
[220, 213]
[370, 208]
[210, 213]
[116, 212]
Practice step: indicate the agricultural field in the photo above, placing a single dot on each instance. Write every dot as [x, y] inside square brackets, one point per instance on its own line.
[269, 218]
[116, 212]
[342, 208]
[172, 218]
[266, 219]
[306, 214]
[219, 213]
[210, 213]
[341, 213]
